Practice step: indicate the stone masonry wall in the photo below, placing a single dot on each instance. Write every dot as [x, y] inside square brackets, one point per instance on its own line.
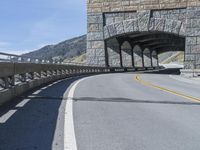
[95, 6]
[192, 49]
[95, 40]
[111, 18]
[102, 13]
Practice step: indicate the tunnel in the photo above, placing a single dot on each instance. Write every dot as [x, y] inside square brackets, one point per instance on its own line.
[141, 49]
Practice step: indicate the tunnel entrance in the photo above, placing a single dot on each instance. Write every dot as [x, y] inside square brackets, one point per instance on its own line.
[141, 49]
[136, 36]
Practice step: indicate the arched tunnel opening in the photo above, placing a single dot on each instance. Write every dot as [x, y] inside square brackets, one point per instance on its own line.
[142, 49]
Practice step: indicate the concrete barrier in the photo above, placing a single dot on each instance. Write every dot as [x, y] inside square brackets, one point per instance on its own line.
[190, 72]
[18, 78]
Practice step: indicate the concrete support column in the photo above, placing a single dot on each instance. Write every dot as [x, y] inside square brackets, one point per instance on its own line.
[151, 58]
[192, 44]
[113, 49]
[138, 57]
[147, 57]
[120, 55]
[95, 40]
[126, 54]
[154, 58]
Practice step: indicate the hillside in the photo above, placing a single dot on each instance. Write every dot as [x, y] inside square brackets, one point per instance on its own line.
[171, 57]
[64, 50]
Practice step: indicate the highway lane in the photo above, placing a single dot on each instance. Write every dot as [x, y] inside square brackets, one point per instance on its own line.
[116, 112]
[36, 120]
[110, 112]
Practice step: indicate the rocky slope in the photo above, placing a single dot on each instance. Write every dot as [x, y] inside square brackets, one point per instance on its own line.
[64, 50]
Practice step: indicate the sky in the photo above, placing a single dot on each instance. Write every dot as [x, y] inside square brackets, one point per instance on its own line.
[27, 25]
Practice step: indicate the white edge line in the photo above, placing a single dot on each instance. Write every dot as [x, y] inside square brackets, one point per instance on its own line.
[69, 132]
[6, 116]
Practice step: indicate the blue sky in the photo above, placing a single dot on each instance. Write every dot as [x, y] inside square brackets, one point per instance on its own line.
[26, 25]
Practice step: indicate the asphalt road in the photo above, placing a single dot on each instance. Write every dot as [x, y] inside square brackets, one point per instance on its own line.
[115, 112]
[111, 112]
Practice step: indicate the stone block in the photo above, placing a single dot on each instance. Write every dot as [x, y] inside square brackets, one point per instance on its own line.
[95, 36]
[128, 26]
[157, 24]
[168, 25]
[93, 27]
[97, 44]
[176, 26]
[192, 31]
[100, 53]
[143, 20]
[106, 33]
[182, 31]
[119, 27]
[112, 30]
[95, 18]
[191, 40]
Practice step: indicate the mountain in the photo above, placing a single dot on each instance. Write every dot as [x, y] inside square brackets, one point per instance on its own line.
[64, 50]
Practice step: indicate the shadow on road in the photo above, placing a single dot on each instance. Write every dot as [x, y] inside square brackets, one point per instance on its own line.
[32, 126]
[126, 100]
[167, 71]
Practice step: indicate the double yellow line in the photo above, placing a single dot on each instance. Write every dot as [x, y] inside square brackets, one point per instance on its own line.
[138, 79]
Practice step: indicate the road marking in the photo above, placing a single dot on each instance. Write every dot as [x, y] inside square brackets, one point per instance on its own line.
[23, 103]
[37, 92]
[6, 116]
[10, 113]
[69, 132]
[138, 79]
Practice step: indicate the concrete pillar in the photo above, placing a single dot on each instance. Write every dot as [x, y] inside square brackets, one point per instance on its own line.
[154, 58]
[147, 57]
[137, 54]
[113, 50]
[192, 44]
[95, 40]
[126, 54]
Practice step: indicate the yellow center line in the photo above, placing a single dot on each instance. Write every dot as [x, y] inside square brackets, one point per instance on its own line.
[138, 79]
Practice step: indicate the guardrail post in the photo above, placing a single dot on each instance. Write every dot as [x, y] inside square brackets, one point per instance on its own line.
[22, 77]
[6, 83]
[31, 75]
[12, 78]
[38, 74]
[44, 73]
